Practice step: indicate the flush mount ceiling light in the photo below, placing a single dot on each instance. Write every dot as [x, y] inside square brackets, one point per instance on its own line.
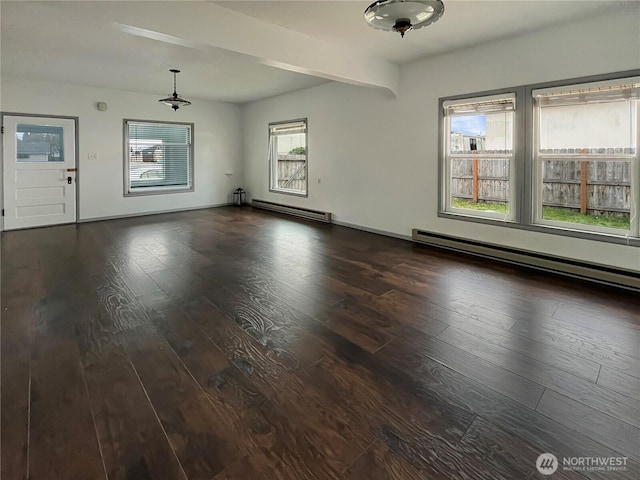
[403, 15]
[174, 101]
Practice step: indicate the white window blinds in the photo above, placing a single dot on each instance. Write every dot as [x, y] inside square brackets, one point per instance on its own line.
[596, 92]
[159, 156]
[288, 128]
[489, 104]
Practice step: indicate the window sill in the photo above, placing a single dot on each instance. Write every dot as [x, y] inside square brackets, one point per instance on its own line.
[289, 192]
[157, 191]
[548, 229]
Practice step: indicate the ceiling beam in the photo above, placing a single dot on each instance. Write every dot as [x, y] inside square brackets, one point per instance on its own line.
[203, 24]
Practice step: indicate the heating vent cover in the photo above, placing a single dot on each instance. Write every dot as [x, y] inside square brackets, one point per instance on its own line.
[587, 271]
[295, 211]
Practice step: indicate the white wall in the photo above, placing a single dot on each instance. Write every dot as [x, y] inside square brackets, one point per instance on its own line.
[217, 143]
[377, 157]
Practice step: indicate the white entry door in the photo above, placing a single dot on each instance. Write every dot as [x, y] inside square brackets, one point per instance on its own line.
[39, 171]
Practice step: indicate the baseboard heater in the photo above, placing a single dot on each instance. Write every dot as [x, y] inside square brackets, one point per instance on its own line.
[550, 263]
[295, 211]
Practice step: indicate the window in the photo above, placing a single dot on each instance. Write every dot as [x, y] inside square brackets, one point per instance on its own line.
[479, 156]
[288, 157]
[158, 157]
[586, 156]
[564, 158]
[39, 143]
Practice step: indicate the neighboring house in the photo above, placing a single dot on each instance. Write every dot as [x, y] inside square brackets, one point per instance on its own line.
[149, 154]
[557, 130]
[34, 151]
[461, 142]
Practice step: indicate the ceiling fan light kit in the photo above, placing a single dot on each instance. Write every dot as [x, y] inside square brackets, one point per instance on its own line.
[174, 101]
[403, 15]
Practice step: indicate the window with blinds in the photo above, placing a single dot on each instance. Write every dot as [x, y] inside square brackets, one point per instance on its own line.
[478, 169]
[158, 157]
[288, 157]
[586, 155]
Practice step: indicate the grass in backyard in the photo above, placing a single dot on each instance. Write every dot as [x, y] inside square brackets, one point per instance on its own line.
[484, 206]
[550, 213]
[571, 216]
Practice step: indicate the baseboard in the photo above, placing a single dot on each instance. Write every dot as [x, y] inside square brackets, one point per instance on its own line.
[156, 212]
[376, 231]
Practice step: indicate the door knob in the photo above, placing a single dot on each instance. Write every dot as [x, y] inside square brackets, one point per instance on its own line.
[69, 180]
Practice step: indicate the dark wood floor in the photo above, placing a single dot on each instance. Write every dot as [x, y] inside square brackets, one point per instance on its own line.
[234, 344]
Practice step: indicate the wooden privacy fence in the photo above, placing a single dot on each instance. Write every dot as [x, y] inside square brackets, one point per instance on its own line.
[292, 172]
[485, 180]
[604, 190]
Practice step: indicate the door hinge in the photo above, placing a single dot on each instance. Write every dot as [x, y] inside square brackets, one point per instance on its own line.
[3, 212]
[2, 129]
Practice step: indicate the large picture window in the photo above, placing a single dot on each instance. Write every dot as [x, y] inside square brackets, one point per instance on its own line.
[479, 155]
[564, 158]
[288, 157]
[158, 157]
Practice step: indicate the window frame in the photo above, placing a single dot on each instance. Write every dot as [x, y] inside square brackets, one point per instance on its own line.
[525, 163]
[59, 131]
[271, 178]
[537, 160]
[157, 190]
[445, 209]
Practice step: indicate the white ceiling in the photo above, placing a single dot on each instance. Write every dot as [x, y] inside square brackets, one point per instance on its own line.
[241, 51]
[465, 23]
